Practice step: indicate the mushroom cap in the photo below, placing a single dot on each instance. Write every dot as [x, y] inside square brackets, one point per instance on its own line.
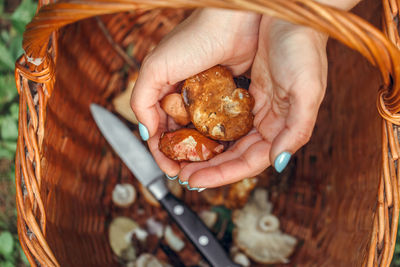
[174, 241]
[175, 188]
[124, 195]
[209, 217]
[239, 193]
[257, 232]
[120, 232]
[148, 196]
[155, 227]
[241, 259]
[148, 260]
[122, 102]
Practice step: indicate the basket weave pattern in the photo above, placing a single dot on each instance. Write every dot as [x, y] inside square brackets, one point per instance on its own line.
[46, 45]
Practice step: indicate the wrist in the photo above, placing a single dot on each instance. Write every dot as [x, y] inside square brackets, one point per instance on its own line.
[231, 21]
[283, 27]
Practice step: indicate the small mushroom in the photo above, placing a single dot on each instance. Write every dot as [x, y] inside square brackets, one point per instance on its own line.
[122, 101]
[155, 227]
[120, 233]
[241, 259]
[239, 193]
[238, 257]
[208, 217]
[257, 232]
[148, 196]
[233, 196]
[140, 234]
[214, 196]
[175, 188]
[124, 195]
[173, 240]
[148, 260]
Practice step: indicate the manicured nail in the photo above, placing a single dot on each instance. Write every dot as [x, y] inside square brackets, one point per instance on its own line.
[201, 189]
[144, 133]
[182, 183]
[192, 188]
[171, 178]
[282, 161]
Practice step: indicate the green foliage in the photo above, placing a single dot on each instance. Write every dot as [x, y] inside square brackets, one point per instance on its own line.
[6, 244]
[10, 50]
[23, 15]
[12, 27]
[224, 225]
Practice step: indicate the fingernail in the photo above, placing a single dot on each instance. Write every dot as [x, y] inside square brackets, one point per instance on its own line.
[192, 188]
[144, 133]
[282, 161]
[171, 178]
[201, 189]
[182, 183]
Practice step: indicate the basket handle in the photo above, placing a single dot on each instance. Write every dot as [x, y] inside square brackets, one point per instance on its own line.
[343, 26]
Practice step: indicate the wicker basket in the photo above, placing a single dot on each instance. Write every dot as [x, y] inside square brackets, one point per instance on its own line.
[341, 199]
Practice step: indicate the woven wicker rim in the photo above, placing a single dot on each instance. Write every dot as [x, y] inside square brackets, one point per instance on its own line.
[37, 66]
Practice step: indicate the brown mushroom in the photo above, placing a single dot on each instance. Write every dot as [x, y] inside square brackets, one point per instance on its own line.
[148, 196]
[172, 104]
[216, 107]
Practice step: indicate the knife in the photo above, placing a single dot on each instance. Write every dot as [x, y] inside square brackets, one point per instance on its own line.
[140, 162]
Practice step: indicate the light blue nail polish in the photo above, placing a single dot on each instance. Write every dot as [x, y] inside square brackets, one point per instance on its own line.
[282, 161]
[144, 133]
[171, 178]
[201, 189]
[182, 183]
[192, 188]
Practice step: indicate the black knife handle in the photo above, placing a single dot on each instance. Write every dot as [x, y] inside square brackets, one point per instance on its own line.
[197, 232]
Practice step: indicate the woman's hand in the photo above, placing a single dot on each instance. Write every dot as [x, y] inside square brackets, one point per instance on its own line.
[288, 72]
[207, 38]
[288, 80]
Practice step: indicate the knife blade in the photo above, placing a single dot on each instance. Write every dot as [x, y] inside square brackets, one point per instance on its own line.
[140, 162]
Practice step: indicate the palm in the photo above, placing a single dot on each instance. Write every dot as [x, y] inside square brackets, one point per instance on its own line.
[177, 57]
[288, 81]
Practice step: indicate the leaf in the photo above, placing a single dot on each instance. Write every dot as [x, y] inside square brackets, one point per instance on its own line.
[6, 58]
[1, 7]
[10, 145]
[23, 15]
[23, 257]
[6, 243]
[9, 129]
[16, 47]
[5, 153]
[7, 264]
[14, 109]
[5, 36]
[8, 90]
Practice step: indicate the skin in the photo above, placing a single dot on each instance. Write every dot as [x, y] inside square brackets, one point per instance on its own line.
[288, 70]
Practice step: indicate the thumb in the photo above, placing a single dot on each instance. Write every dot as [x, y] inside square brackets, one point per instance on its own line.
[297, 130]
[144, 100]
